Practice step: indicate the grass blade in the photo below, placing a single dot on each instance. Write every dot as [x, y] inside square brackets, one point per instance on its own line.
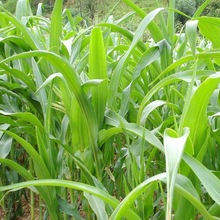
[72, 185]
[56, 27]
[98, 70]
[98, 206]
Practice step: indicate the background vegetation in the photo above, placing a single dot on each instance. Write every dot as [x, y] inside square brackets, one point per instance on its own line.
[109, 118]
[94, 11]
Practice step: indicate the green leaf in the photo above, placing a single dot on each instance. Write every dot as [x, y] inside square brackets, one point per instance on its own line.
[196, 116]
[185, 76]
[56, 27]
[98, 70]
[147, 58]
[174, 148]
[125, 33]
[42, 96]
[40, 166]
[3, 127]
[23, 9]
[207, 178]
[201, 8]
[185, 188]
[136, 192]
[29, 38]
[191, 33]
[26, 116]
[209, 27]
[153, 28]
[47, 193]
[5, 146]
[72, 185]
[74, 86]
[104, 134]
[97, 205]
[66, 208]
[115, 80]
[149, 108]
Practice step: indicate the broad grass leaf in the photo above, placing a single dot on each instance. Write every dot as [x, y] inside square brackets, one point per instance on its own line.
[125, 33]
[112, 201]
[5, 146]
[56, 27]
[185, 188]
[185, 60]
[39, 11]
[40, 166]
[185, 76]
[149, 108]
[23, 9]
[98, 70]
[153, 27]
[43, 148]
[135, 193]
[207, 178]
[48, 81]
[201, 8]
[48, 194]
[113, 119]
[68, 209]
[29, 38]
[115, 80]
[214, 209]
[19, 75]
[196, 116]
[17, 167]
[74, 86]
[105, 134]
[2, 128]
[146, 59]
[174, 148]
[92, 83]
[209, 27]
[18, 43]
[80, 140]
[42, 95]
[97, 205]
[191, 33]
[165, 51]
[26, 116]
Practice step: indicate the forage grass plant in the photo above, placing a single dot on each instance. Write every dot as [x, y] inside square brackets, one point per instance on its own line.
[101, 123]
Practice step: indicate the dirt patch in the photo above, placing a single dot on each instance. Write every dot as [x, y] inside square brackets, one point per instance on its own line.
[26, 210]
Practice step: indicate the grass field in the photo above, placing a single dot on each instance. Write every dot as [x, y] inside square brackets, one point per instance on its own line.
[117, 120]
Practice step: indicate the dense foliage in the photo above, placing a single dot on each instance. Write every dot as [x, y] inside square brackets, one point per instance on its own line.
[94, 11]
[100, 122]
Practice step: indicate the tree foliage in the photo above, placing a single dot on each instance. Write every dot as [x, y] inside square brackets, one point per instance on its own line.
[213, 9]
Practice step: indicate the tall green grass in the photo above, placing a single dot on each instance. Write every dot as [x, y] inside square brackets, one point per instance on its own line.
[106, 121]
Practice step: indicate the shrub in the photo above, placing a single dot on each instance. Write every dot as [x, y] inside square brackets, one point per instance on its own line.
[188, 7]
[213, 9]
[10, 5]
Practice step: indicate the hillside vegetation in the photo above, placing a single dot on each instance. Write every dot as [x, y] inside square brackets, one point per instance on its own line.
[94, 11]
